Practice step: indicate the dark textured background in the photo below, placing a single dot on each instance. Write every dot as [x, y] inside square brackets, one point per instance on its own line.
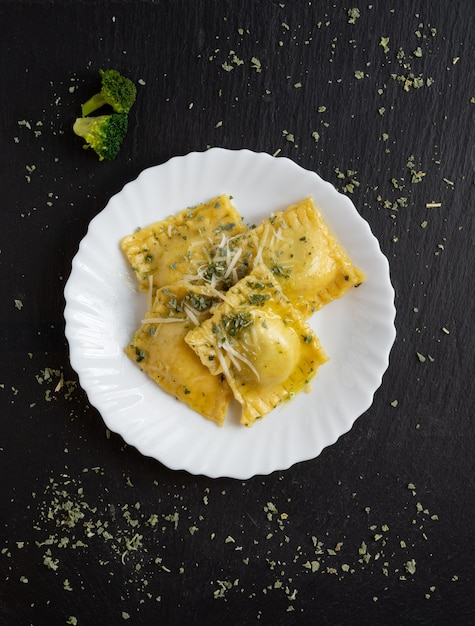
[379, 528]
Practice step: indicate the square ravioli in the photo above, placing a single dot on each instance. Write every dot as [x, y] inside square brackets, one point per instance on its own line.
[261, 344]
[184, 246]
[304, 256]
[159, 349]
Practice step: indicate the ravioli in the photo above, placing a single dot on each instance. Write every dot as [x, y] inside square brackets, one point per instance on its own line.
[229, 305]
[261, 344]
[159, 349]
[185, 246]
[304, 256]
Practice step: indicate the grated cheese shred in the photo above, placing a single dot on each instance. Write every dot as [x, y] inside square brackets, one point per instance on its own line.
[237, 355]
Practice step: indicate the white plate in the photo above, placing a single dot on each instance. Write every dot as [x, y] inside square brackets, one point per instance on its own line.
[103, 308]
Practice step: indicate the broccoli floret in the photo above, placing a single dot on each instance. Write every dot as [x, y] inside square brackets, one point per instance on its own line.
[117, 91]
[103, 133]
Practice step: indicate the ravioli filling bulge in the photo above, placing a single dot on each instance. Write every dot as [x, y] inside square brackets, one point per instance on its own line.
[272, 347]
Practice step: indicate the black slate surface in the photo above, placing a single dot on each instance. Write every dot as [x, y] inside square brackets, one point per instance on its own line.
[379, 528]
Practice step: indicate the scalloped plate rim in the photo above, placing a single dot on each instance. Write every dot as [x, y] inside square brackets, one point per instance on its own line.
[77, 348]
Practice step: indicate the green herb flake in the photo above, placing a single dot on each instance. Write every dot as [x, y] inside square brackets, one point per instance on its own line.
[140, 354]
[234, 323]
[279, 270]
[353, 15]
[384, 43]
[229, 226]
[258, 299]
[256, 64]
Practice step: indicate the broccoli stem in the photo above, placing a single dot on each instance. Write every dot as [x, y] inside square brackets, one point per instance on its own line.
[82, 126]
[94, 103]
